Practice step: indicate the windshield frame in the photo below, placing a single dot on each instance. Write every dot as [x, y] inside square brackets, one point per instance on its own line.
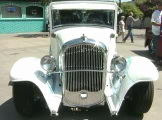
[83, 5]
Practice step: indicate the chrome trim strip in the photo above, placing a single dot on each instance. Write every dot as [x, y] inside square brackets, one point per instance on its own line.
[76, 42]
[104, 71]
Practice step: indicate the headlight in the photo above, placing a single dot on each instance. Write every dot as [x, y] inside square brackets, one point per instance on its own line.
[118, 64]
[48, 63]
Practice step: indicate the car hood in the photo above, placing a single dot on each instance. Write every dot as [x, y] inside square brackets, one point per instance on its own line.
[97, 34]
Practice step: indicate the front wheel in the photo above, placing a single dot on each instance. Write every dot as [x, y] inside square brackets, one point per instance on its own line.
[23, 97]
[141, 97]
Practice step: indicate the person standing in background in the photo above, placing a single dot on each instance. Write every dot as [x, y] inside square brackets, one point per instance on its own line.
[129, 23]
[122, 27]
[156, 23]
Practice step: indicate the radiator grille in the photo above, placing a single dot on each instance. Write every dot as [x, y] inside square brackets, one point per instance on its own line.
[84, 57]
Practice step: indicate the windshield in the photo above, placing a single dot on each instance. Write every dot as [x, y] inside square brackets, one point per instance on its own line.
[82, 17]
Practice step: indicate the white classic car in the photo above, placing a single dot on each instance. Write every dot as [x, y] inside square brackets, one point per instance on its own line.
[83, 69]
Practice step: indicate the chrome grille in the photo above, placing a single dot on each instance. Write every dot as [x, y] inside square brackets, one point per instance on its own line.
[80, 59]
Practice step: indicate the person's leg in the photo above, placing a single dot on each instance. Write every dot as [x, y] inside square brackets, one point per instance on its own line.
[128, 34]
[155, 44]
[123, 36]
[131, 36]
[119, 34]
[155, 41]
[117, 37]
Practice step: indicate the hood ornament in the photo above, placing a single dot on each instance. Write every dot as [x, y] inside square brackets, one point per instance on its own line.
[83, 38]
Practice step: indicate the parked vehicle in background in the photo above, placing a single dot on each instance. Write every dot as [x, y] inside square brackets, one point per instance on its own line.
[82, 68]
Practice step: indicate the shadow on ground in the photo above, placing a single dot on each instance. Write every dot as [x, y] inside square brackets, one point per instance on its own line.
[8, 112]
[36, 35]
[119, 42]
[143, 53]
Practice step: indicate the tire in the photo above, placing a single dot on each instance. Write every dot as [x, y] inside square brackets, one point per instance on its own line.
[23, 97]
[150, 46]
[141, 97]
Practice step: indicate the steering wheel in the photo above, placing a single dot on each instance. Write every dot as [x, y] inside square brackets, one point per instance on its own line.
[97, 21]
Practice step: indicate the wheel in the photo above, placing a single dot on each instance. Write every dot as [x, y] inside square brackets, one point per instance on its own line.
[23, 97]
[150, 46]
[140, 97]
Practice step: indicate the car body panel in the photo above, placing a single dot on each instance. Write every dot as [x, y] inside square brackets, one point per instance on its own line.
[133, 74]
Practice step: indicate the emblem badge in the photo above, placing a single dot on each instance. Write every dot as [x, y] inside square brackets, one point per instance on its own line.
[83, 95]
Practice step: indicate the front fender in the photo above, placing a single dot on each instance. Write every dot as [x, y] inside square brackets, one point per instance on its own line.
[139, 69]
[25, 68]
[29, 69]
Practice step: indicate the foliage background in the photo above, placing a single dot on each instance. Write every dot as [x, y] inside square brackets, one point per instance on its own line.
[147, 6]
[129, 7]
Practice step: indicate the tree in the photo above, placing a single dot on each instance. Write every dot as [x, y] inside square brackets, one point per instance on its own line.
[129, 7]
[147, 6]
[140, 1]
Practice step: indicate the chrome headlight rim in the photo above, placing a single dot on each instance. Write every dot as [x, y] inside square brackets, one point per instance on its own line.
[48, 63]
[118, 64]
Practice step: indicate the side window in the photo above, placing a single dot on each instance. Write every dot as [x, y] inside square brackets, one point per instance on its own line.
[11, 11]
[34, 12]
[56, 17]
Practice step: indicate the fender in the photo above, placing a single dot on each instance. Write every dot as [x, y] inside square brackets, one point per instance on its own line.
[138, 69]
[29, 69]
